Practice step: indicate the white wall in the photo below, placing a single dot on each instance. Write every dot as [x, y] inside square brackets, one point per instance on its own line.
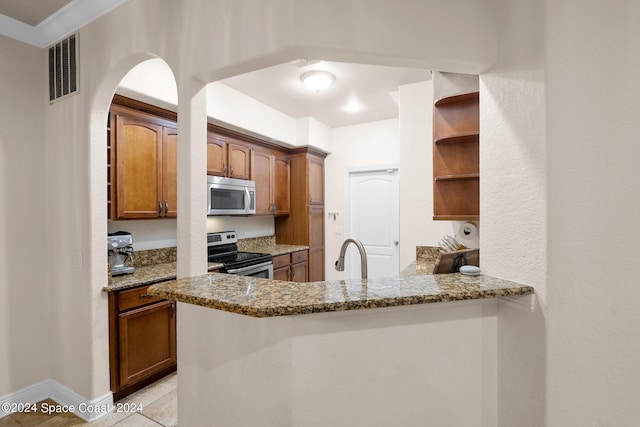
[368, 145]
[199, 39]
[417, 227]
[593, 106]
[24, 286]
[513, 205]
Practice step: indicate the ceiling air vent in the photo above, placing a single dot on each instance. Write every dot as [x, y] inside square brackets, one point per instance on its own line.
[63, 68]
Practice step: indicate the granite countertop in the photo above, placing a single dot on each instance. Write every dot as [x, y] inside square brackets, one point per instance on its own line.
[269, 298]
[161, 272]
[279, 249]
[148, 275]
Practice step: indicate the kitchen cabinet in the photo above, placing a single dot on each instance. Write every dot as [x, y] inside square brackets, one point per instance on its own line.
[305, 223]
[292, 267]
[146, 165]
[142, 339]
[456, 166]
[227, 156]
[270, 170]
[111, 178]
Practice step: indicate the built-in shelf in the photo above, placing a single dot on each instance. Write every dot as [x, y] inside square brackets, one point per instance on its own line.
[459, 177]
[458, 139]
[456, 162]
[463, 97]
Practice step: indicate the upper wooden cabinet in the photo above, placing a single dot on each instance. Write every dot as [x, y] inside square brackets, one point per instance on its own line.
[146, 165]
[270, 171]
[142, 152]
[315, 170]
[305, 223]
[227, 157]
[456, 165]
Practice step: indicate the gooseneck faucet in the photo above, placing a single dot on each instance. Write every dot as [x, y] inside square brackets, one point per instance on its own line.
[363, 257]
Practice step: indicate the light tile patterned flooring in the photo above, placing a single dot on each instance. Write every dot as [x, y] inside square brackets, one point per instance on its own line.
[157, 404]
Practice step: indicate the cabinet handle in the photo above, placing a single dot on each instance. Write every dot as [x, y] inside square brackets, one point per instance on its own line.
[231, 169]
[159, 208]
[146, 296]
[166, 208]
[293, 273]
[224, 168]
[310, 198]
[173, 308]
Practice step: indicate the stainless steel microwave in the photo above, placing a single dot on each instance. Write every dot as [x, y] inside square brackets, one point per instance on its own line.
[230, 196]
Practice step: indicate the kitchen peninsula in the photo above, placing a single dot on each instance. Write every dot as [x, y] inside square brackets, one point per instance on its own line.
[340, 353]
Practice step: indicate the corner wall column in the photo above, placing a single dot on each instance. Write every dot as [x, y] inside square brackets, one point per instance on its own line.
[192, 171]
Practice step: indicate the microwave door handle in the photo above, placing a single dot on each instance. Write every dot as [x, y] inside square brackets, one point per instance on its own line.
[247, 199]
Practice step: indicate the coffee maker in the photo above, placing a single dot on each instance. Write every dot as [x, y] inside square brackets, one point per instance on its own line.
[120, 250]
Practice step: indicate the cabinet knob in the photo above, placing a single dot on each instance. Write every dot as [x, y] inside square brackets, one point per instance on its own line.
[159, 208]
[166, 208]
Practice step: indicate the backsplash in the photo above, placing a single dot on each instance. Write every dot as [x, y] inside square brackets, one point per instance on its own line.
[251, 243]
[147, 257]
[154, 256]
[427, 257]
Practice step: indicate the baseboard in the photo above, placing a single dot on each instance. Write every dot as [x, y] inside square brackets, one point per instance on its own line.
[28, 395]
[87, 409]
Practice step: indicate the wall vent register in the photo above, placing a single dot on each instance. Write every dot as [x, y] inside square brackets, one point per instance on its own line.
[63, 68]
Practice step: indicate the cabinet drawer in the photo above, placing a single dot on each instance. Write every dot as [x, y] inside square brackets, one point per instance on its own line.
[281, 261]
[297, 257]
[135, 297]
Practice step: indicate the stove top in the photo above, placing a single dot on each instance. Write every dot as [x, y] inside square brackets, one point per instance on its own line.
[222, 248]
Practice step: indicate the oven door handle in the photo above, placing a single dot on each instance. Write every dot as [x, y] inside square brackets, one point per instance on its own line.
[249, 268]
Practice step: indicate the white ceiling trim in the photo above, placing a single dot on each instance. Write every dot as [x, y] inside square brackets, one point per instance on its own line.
[68, 19]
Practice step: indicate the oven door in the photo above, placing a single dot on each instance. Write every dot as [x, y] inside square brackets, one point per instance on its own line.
[264, 269]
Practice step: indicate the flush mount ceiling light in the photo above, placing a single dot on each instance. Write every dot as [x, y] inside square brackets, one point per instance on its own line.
[317, 80]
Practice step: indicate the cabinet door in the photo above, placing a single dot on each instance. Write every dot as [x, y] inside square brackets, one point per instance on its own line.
[139, 180]
[216, 155]
[281, 273]
[316, 180]
[299, 272]
[170, 172]
[262, 174]
[281, 185]
[239, 159]
[147, 341]
[316, 242]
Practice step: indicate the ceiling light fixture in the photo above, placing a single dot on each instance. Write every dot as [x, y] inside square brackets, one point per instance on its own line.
[317, 80]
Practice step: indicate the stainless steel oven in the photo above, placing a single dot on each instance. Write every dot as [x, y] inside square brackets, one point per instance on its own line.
[222, 247]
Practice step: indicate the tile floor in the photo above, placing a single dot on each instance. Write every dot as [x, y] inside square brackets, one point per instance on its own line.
[157, 405]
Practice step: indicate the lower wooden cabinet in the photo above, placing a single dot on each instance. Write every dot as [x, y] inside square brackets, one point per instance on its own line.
[142, 339]
[291, 267]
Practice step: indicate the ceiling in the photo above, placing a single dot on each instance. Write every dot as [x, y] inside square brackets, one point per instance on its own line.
[42, 22]
[369, 90]
[372, 88]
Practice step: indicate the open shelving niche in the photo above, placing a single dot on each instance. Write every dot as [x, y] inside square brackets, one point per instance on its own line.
[456, 165]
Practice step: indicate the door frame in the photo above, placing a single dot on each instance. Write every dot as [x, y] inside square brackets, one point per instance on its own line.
[346, 183]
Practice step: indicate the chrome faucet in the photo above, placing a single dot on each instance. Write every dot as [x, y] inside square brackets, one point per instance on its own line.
[363, 257]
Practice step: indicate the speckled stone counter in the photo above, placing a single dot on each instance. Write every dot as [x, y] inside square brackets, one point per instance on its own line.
[269, 298]
[279, 249]
[159, 265]
[268, 245]
[147, 275]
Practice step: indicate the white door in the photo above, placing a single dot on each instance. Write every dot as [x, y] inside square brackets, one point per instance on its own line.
[373, 217]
